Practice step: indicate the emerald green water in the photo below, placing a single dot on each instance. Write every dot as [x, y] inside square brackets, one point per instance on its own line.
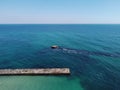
[39, 83]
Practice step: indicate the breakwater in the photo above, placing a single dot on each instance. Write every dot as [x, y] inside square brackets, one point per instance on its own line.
[47, 71]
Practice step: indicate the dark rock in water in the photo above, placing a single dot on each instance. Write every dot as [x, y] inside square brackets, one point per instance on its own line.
[77, 51]
[54, 47]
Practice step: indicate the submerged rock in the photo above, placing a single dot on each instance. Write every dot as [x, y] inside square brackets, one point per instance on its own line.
[78, 51]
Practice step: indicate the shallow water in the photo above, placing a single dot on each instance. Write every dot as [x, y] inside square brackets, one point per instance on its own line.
[39, 83]
[28, 46]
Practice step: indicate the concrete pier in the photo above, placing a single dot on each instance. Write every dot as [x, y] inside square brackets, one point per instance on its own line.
[47, 71]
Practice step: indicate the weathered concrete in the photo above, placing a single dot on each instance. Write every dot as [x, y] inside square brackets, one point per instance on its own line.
[47, 71]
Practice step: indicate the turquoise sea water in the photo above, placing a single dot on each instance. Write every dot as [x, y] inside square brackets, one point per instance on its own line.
[92, 52]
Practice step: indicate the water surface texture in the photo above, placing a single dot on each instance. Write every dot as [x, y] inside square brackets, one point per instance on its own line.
[92, 52]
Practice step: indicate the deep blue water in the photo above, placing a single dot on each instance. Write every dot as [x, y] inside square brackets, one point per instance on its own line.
[92, 52]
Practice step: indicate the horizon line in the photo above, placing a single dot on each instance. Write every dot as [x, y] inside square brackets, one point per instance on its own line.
[59, 23]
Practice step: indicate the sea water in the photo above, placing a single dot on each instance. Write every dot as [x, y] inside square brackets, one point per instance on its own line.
[28, 46]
